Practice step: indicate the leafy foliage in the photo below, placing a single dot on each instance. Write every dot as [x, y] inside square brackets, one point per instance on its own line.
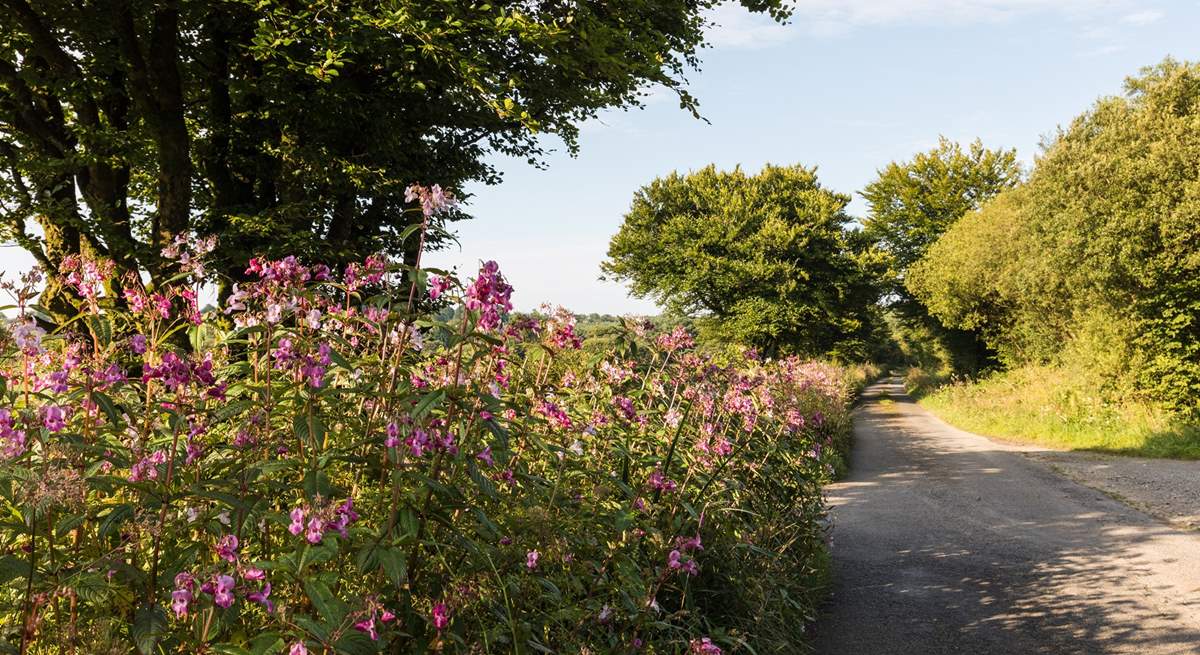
[1094, 260]
[763, 260]
[911, 204]
[295, 127]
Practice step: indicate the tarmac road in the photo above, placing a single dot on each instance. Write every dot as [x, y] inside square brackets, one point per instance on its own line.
[947, 542]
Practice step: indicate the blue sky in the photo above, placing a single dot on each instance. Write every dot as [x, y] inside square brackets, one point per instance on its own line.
[848, 86]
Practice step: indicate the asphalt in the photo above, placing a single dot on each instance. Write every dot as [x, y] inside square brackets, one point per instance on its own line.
[947, 542]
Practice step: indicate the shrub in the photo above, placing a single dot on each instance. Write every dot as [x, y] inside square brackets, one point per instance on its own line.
[337, 470]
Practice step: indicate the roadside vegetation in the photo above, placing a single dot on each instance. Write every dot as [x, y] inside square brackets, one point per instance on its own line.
[1060, 408]
[1083, 283]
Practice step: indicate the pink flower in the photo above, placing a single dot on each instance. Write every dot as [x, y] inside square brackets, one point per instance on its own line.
[28, 336]
[368, 626]
[434, 199]
[298, 648]
[181, 597]
[227, 548]
[485, 456]
[253, 573]
[223, 593]
[660, 482]
[297, 525]
[441, 616]
[437, 286]
[489, 295]
[147, 467]
[316, 530]
[704, 646]
[262, 597]
[531, 559]
[54, 418]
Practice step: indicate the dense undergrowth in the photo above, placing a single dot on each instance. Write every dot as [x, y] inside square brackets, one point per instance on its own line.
[324, 466]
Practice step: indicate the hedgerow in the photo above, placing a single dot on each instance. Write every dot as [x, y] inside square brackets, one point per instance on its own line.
[323, 465]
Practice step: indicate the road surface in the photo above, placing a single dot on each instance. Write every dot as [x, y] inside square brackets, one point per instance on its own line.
[947, 542]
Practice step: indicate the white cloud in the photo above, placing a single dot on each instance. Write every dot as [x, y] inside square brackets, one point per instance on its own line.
[734, 27]
[873, 12]
[1144, 17]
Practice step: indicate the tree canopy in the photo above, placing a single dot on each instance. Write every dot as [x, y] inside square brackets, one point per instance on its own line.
[911, 203]
[294, 127]
[763, 260]
[1096, 259]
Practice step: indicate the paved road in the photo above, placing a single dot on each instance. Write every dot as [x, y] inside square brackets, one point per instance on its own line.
[947, 542]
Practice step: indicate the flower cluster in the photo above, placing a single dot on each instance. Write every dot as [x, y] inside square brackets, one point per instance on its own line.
[327, 464]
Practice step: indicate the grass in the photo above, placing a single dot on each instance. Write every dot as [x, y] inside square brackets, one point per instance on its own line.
[1059, 408]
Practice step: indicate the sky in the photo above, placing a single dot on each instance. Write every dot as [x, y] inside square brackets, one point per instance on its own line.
[848, 86]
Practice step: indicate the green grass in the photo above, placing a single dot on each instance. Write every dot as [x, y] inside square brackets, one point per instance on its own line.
[1058, 408]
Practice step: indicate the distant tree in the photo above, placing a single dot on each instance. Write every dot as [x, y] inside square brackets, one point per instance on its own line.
[911, 204]
[762, 260]
[295, 126]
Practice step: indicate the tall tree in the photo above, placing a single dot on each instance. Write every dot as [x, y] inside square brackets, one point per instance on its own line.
[295, 127]
[911, 204]
[762, 260]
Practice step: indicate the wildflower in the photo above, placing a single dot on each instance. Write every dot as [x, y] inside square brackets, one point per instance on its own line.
[181, 596]
[485, 456]
[367, 625]
[54, 418]
[297, 525]
[704, 646]
[227, 548]
[441, 616]
[253, 573]
[262, 597]
[677, 339]
[554, 414]
[660, 482]
[147, 467]
[489, 295]
[313, 319]
[344, 515]
[28, 336]
[605, 614]
[625, 406]
[298, 648]
[418, 442]
[393, 435]
[434, 199]
[223, 591]
[437, 286]
[531, 559]
[315, 531]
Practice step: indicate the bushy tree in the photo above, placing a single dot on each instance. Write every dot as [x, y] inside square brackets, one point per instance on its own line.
[295, 127]
[911, 204]
[1096, 258]
[763, 260]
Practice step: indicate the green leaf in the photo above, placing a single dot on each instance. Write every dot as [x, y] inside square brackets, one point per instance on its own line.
[149, 623]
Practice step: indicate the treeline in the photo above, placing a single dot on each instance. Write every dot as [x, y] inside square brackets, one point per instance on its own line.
[965, 263]
[1093, 262]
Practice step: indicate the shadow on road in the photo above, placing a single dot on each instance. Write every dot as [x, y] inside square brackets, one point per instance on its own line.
[945, 542]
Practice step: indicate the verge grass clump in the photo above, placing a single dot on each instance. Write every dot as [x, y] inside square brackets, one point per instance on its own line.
[1063, 408]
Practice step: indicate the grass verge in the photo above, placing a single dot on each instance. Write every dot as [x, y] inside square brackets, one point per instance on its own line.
[1059, 408]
